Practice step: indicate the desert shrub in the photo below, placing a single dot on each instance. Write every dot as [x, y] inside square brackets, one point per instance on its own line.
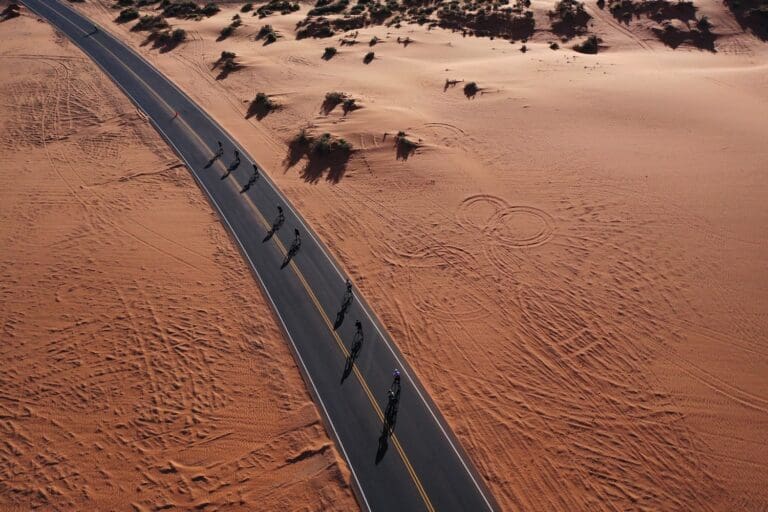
[404, 146]
[124, 3]
[267, 33]
[226, 32]
[169, 39]
[334, 98]
[329, 52]
[379, 12]
[149, 22]
[326, 145]
[373, 41]
[328, 8]
[263, 100]
[368, 57]
[322, 145]
[281, 6]
[590, 45]
[247, 7]
[127, 15]
[261, 106]
[228, 64]
[180, 9]
[554, 46]
[704, 24]
[179, 35]
[302, 137]
[510, 23]
[471, 89]
[210, 9]
[751, 14]
[317, 28]
[348, 105]
[569, 18]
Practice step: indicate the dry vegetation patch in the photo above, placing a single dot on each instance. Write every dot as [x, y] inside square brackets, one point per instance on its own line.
[325, 154]
[569, 18]
[676, 23]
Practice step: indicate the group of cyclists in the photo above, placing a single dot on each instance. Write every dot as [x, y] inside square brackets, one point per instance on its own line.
[393, 393]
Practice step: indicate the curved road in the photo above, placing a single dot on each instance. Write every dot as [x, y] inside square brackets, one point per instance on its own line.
[419, 465]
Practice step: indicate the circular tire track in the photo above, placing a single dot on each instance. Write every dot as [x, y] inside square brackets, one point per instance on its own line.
[520, 226]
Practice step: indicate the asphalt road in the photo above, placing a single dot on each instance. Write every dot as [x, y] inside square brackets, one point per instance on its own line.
[419, 465]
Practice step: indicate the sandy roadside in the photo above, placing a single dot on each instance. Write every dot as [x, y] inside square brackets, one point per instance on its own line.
[142, 367]
[574, 260]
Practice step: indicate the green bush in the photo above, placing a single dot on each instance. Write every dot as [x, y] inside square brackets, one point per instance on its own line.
[264, 31]
[179, 35]
[281, 6]
[127, 15]
[226, 32]
[149, 22]
[349, 105]
[329, 52]
[333, 8]
[590, 45]
[210, 9]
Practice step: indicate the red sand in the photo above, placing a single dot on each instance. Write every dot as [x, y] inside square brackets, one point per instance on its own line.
[142, 368]
[575, 261]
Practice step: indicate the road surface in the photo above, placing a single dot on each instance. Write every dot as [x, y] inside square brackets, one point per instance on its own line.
[418, 464]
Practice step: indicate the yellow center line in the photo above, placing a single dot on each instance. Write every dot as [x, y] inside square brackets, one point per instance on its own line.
[311, 294]
[340, 343]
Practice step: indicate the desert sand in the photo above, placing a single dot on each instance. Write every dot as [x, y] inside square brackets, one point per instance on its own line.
[142, 368]
[574, 259]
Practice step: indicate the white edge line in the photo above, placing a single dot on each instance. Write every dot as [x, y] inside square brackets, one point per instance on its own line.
[234, 233]
[317, 242]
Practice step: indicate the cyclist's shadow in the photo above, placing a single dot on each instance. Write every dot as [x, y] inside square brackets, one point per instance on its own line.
[289, 256]
[357, 344]
[345, 303]
[275, 226]
[295, 246]
[388, 426]
[234, 165]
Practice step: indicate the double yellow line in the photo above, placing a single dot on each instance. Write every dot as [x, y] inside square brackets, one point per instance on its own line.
[345, 352]
[304, 283]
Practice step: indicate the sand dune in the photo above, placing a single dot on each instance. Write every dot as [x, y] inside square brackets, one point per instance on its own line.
[573, 259]
[142, 368]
